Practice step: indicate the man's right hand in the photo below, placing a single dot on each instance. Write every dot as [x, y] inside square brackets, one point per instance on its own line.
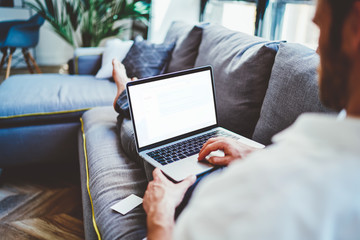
[232, 149]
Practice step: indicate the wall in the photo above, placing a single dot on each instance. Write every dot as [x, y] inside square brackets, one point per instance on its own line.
[52, 50]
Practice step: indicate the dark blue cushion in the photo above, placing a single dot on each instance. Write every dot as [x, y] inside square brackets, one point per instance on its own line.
[146, 59]
[38, 144]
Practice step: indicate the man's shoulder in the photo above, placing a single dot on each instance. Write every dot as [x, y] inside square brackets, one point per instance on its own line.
[323, 131]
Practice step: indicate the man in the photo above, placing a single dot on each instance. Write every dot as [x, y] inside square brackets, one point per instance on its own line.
[305, 186]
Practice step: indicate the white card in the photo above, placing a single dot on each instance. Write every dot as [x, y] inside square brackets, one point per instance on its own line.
[127, 204]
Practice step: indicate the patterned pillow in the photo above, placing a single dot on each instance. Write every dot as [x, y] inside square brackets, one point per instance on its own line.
[146, 59]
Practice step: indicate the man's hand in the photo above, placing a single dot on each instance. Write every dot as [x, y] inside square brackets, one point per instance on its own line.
[160, 201]
[232, 149]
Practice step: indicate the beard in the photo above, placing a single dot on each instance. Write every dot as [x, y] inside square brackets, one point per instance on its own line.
[334, 72]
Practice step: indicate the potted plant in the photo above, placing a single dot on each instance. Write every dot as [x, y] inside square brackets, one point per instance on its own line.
[84, 23]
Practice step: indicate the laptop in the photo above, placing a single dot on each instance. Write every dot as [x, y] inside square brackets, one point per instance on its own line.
[173, 115]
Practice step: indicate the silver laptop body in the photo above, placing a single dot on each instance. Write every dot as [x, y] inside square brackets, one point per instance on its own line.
[173, 115]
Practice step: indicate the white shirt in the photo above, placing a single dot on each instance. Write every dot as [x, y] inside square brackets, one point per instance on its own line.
[305, 186]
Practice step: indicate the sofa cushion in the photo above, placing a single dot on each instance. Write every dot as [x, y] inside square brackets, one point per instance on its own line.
[242, 66]
[51, 98]
[187, 38]
[38, 144]
[110, 176]
[293, 89]
[146, 59]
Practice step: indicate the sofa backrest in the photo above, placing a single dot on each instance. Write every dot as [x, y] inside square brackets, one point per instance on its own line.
[261, 86]
[293, 89]
[242, 67]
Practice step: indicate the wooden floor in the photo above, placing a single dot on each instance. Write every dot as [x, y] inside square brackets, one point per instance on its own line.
[41, 202]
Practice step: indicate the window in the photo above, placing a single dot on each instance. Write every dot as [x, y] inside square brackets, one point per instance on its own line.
[289, 20]
[235, 15]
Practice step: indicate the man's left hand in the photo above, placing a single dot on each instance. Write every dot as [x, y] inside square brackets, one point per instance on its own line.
[160, 201]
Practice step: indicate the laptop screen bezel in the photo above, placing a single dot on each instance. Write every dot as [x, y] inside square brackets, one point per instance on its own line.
[162, 77]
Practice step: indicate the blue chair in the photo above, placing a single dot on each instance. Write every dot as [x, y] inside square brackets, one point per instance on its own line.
[20, 34]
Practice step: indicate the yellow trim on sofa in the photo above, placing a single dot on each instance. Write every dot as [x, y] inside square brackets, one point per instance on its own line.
[44, 113]
[87, 180]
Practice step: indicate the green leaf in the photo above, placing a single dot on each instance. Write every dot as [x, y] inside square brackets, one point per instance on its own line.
[94, 18]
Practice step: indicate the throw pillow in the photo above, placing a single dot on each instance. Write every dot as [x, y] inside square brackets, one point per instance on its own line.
[293, 89]
[146, 59]
[242, 67]
[114, 48]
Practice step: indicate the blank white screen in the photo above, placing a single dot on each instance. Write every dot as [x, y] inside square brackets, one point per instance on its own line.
[171, 107]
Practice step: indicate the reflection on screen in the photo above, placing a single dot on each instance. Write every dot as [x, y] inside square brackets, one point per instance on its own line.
[171, 107]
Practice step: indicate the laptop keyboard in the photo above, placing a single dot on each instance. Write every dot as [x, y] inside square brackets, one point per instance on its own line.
[185, 148]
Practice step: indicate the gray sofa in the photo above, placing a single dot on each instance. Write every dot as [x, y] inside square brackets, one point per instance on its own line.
[261, 88]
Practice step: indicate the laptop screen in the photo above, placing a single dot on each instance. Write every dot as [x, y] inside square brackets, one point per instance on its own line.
[171, 106]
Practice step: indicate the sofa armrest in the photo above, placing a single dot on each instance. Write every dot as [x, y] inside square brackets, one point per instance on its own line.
[86, 61]
[107, 176]
[87, 65]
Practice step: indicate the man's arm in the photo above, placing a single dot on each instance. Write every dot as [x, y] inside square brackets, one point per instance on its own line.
[160, 201]
[163, 196]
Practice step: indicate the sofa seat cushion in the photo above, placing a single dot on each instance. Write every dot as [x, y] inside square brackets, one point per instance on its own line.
[293, 89]
[242, 66]
[51, 98]
[110, 176]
